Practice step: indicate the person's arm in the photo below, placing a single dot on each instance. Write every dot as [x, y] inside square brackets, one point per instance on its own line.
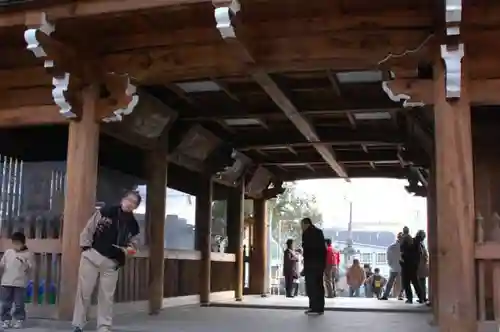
[4, 258]
[390, 258]
[29, 262]
[87, 234]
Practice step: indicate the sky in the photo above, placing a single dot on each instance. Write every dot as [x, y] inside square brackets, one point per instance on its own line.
[377, 204]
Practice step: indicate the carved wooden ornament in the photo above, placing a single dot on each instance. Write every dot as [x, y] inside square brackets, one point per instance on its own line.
[398, 96]
[453, 69]
[131, 92]
[61, 81]
[453, 17]
[223, 17]
[452, 53]
[31, 37]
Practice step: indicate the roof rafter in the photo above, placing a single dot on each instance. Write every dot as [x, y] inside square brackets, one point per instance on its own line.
[223, 16]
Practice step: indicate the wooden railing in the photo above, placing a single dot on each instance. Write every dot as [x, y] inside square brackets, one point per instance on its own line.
[181, 273]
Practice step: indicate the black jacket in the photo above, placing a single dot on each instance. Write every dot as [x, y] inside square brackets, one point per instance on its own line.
[119, 229]
[314, 248]
[410, 252]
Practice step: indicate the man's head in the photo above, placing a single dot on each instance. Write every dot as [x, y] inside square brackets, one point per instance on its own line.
[18, 240]
[328, 242]
[305, 223]
[421, 234]
[400, 236]
[130, 201]
[377, 270]
[355, 262]
[367, 267]
[289, 243]
[406, 230]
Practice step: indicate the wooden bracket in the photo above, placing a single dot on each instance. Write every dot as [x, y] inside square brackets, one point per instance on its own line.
[452, 52]
[223, 16]
[70, 73]
[400, 91]
[40, 44]
[122, 100]
[452, 57]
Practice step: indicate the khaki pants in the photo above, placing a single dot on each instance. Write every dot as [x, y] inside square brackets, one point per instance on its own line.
[329, 280]
[95, 266]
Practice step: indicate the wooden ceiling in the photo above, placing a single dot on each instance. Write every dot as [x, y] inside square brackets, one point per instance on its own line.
[326, 58]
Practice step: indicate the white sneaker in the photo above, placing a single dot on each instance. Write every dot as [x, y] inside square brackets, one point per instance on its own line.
[5, 324]
[18, 324]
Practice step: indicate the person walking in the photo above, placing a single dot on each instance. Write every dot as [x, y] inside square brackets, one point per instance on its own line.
[329, 276]
[393, 258]
[314, 253]
[290, 269]
[410, 259]
[355, 276]
[423, 266]
[106, 241]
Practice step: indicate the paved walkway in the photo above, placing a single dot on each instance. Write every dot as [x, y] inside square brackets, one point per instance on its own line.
[196, 319]
[360, 304]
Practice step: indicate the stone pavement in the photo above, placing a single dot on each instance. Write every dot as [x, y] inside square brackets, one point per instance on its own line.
[359, 304]
[196, 319]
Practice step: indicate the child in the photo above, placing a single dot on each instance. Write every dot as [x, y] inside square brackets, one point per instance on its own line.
[377, 283]
[16, 264]
[355, 276]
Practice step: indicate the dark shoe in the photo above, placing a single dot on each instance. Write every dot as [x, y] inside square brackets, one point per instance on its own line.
[315, 313]
[308, 311]
[409, 301]
[77, 329]
[400, 298]
[383, 298]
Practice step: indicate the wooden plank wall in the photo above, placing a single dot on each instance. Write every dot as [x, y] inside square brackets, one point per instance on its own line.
[43, 196]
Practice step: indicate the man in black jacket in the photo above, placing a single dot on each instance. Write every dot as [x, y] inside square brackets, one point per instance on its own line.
[314, 253]
[106, 241]
[410, 260]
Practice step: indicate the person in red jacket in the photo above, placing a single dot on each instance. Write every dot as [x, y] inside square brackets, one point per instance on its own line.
[332, 260]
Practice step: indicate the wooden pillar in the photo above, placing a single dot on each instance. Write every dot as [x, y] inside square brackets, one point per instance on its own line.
[156, 198]
[204, 236]
[80, 195]
[235, 216]
[432, 243]
[258, 267]
[455, 206]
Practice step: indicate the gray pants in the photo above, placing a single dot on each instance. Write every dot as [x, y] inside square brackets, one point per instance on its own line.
[9, 296]
[390, 283]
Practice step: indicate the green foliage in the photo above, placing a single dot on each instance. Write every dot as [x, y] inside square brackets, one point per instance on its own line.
[288, 209]
[285, 213]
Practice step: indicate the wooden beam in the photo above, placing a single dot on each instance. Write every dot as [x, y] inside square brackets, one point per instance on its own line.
[31, 116]
[482, 92]
[283, 137]
[81, 182]
[455, 204]
[276, 94]
[80, 9]
[343, 156]
[345, 107]
[301, 123]
[155, 218]
[354, 172]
